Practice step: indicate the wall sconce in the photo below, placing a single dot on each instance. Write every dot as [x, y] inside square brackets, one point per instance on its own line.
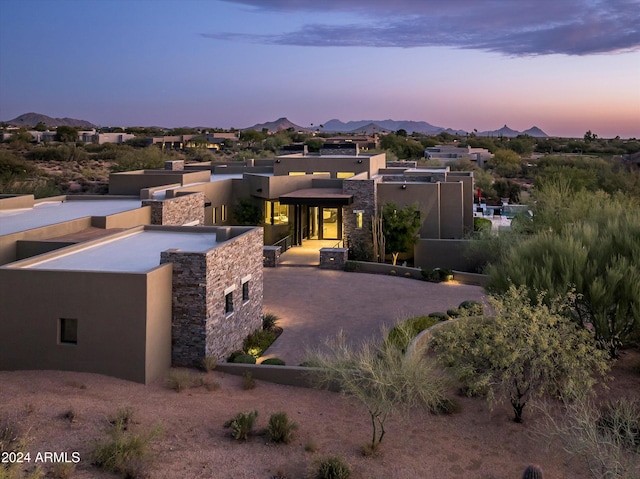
[359, 161]
[404, 187]
[277, 161]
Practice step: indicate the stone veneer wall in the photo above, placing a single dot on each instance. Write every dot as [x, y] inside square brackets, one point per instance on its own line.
[177, 211]
[333, 258]
[365, 199]
[200, 326]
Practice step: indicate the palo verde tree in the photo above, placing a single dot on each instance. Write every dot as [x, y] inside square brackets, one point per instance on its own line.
[591, 243]
[66, 134]
[400, 227]
[381, 377]
[526, 351]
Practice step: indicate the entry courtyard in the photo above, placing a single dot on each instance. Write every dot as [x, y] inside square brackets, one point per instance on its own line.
[314, 304]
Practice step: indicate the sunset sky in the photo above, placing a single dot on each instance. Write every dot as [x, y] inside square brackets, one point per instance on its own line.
[566, 66]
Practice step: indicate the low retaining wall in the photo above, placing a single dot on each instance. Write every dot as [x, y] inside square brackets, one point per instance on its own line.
[384, 268]
[287, 375]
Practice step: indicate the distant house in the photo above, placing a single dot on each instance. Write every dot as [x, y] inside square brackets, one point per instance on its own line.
[447, 153]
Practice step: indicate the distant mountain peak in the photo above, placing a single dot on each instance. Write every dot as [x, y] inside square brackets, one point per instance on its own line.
[282, 123]
[31, 119]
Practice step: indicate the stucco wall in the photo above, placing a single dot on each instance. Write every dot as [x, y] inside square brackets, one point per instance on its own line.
[446, 253]
[425, 195]
[111, 310]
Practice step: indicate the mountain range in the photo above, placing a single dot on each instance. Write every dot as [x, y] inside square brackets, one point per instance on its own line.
[32, 119]
[362, 127]
[369, 127]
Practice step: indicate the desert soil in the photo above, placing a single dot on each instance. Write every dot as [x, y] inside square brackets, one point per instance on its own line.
[476, 443]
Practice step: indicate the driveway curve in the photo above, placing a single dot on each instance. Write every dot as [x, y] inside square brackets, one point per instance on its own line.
[314, 304]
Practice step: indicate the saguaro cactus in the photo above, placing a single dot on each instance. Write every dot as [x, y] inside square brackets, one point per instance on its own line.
[533, 472]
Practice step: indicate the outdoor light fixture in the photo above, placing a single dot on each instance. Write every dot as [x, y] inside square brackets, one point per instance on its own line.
[259, 190]
[404, 187]
[359, 161]
[277, 161]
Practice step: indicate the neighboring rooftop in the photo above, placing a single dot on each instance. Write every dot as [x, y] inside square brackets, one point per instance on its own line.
[52, 212]
[138, 251]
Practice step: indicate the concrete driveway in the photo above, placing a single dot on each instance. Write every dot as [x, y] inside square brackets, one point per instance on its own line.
[314, 304]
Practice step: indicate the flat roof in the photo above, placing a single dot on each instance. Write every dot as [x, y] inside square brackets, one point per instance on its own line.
[134, 253]
[52, 212]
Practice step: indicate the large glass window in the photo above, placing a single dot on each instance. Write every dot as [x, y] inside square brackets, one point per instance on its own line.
[297, 173]
[345, 174]
[275, 213]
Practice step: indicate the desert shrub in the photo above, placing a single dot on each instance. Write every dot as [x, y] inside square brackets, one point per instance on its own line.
[69, 415]
[234, 355]
[431, 275]
[248, 381]
[257, 342]
[605, 439]
[444, 274]
[402, 334]
[274, 362]
[123, 418]
[124, 452]
[211, 385]
[179, 379]
[280, 428]
[439, 315]
[471, 308]
[209, 363]
[62, 470]
[241, 425]
[453, 312]
[244, 359]
[269, 321]
[333, 467]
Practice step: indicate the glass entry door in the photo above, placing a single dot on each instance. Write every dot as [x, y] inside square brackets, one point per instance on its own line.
[330, 224]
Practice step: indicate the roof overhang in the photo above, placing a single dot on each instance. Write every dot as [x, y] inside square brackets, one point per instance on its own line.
[329, 197]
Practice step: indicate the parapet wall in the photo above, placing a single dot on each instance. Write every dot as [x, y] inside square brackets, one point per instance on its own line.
[181, 210]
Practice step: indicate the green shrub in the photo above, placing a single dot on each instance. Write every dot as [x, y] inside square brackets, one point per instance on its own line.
[280, 429]
[481, 224]
[439, 315]
[431, 275]
[234, 355]
[274, 362]
[242, 425]
[258, 342]
[248, 381]
[471, 308]
[123, 419]
[333, 468]
[402, 334]
[269, 321]
[453, 313]
[244, 359]
[444, 274]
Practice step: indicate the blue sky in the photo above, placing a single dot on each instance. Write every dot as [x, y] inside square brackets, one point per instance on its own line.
[566, 66]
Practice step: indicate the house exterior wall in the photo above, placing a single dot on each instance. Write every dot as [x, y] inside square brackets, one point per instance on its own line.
[115, 312]
[451, 210]
[177, 211]
[332, 164]
[200, 282]
[365, 192]
[131, 182]
[426, 197]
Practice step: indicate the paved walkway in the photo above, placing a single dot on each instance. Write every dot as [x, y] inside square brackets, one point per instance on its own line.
[306, 255]
[314, 304]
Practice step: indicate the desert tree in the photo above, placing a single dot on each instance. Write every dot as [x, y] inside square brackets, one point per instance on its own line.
[525, 351]
[381, 377]
[400, 227]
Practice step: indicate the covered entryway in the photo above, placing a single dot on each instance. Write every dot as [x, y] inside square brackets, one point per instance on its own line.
[317, 213]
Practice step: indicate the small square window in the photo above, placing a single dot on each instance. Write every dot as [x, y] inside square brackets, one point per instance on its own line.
[245, 291]
[228, 303]
[68, 331]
